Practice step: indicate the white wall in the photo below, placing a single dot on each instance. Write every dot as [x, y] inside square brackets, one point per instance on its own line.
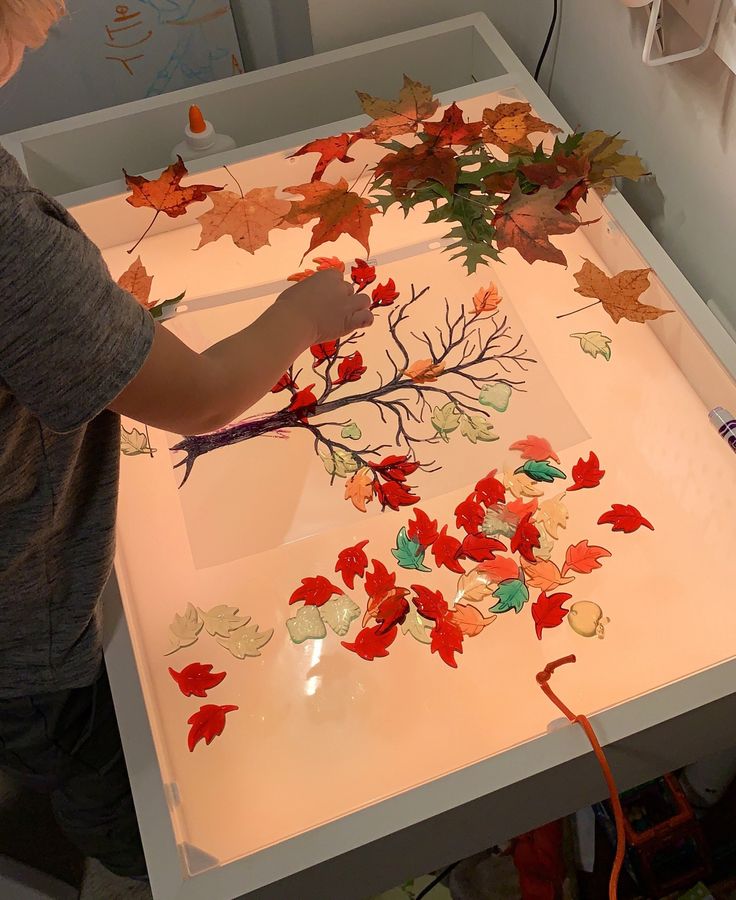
[681, 118]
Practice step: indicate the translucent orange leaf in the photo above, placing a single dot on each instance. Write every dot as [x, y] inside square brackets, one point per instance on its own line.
[424, 371]
[486, 299]
[359, 488]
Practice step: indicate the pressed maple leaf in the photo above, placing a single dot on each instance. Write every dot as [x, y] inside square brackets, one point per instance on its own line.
[509, 125]
[314, 591]
[380, 580]
[537, 448]
[556, 170]
[286, 381]
[525, 539]
[136, 281]
[196, 679]
[619, 294]
[452, 129]
[500, 182]
[207, 724]
[489, 490]
[303, 403]
[338, 209]
[587, 473]
[384, 294]
[480, 548]
[352, 561]
[412, 166]
[359, 488]
[500, 569]
[486, 299]
[583, 557]
[469, 619]
[397, 468]
[447, 551]
[394, 495]
[424, 371]
[392, 610]
[329, 149]
[351, 368]
[525, 223]
[371, 642]
[548, 611]
[606, 163]
[446, 640]
[429, 604]
[362, 274]
[624, 518]
[323, 352]
[469, 515]
[414, 104]
[248, 219]
[422, 529]
[543, 574]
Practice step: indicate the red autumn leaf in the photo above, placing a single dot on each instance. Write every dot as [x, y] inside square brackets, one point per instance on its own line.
[207, 723]
[380, 581]
[394, 495]
[384, 294]
[569, 202]
[469, 515]
[351, 368]
[412, 166]
[196, 679]
[624, 518]
[429, 604]
[397, 468]
[314, 591]
[422, 529]
[548, 611]
[330, 148]
[338, 210]
[519, 508]
[323, 262]
[500, 182]
[480, 548]
[451, 129]
[526, 538]
[283, 383]
[166, 194]
[362, 274]
[392, 610]
[323, 352]
[352, 561]
[391, 598]
[587, 473]
[583, 557]
[536, 448]
[557, 170]
[489, 490]
[303, 403]
[447, 551]
[371, 642]
[447, 640]
[500, 569]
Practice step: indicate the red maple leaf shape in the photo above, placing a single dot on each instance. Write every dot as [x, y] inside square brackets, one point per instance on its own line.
[480, 548]
[207, 723]
[394, 495]
[380, 581]
[384, 294]
[422, 529]
[329, 149]
[397, 468]
[303, 403]
[352, 561]
[520, 509]
[469, 515]
[526, 538]
[489, 490]
[165, 194]
[451, 129]
[548, 612]
[411, 166]
[351, 368]
[196, 679]
[430, 604]
[323, 352]
[447, 640]
[447, 551]
[587, 473]
[283, 383]
[314, 591]
[624, 518]
[371, 642]
[392, 609]
[362, 274]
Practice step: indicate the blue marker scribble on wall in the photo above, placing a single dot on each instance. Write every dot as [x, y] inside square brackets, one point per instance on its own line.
[163, 77]
[170, 10]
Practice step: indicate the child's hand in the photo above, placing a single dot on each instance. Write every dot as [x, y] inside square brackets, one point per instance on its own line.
[327, 305]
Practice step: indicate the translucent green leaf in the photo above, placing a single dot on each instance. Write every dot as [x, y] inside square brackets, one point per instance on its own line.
[477, 428]
[445, 420]
[351, 431]
[512, 594]
[496, 396]
[594, 343]
[408, 553]
[540, 471]
[339, 463]
[338, 612]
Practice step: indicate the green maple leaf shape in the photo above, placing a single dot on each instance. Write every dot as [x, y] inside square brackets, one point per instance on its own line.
[511, 594]
[408, 553]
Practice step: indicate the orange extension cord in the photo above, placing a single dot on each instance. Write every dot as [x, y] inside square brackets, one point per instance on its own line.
[543, 679]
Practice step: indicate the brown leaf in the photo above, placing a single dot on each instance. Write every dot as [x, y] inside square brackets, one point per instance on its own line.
[469, 619]
[619, 294]
[248, 220]
[606, 163]
[510, 124]
[339, 210]
[486, 299]
[136, 281]
[424, 371]
[414, 165]
[359, 488]
[414, 104]
[165, 194]
[500, 182]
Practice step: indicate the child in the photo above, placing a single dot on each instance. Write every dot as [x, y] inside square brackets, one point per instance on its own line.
[76, 351]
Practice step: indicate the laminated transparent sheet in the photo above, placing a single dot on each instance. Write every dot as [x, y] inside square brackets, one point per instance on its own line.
[319, 731]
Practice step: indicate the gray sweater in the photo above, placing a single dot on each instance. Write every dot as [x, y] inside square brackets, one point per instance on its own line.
[70, 341]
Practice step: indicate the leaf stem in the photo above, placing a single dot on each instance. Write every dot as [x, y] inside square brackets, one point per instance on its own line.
[572, 312]
[145, 232]
[234, 179]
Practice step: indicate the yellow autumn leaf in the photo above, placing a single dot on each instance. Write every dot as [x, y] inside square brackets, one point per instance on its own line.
[486, 299]
[553, 515]
[359, 488]
[424, 371]
[543, 574]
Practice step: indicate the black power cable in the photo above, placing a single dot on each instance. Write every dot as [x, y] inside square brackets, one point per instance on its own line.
[547, 42]
[433, 884]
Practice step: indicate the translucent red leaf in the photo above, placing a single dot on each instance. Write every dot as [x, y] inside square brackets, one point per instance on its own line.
[394, 495]
[447, 640]
[207, 723]
[384, 294]
[397, 468]
[422, 529]
[362, 274]
[489, 490]
[371, 642]
[500, 569]
[430, 604]
[196, 679]
[526, 538]
[351, 368]
[303, 403]
[392, 609]
[480, 548]
[314, 591]
[519, 508]
[536, 448]
[624, 518]
[587, 473]
[548, 611]
[583, 557]
[469, 515]
[283, 383]
[447, 551]
[329, 149]
[380, 581]
[323, 352]
[352, 561]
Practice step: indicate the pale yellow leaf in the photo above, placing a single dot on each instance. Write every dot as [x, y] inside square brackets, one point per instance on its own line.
[553, 515]
[221, 620]
[246, 641]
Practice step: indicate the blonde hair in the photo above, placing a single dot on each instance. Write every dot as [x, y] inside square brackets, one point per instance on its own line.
[27, 22]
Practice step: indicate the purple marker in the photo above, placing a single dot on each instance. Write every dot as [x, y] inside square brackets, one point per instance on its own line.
[726, 425]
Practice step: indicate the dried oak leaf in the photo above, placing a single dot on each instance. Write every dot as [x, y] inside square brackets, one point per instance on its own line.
[196, 679]
[424, 371]
[166, 194]
[338, 209]
[414, 104]
[509, 125]
[329, 149]
[412, 166]
[248, 219]
[359, 488]
[619, 294]
[136, 281]
[207, 723]
[352, 561]
[451, 129]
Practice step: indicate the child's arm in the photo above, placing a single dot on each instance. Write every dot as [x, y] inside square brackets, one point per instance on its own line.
[186, 392]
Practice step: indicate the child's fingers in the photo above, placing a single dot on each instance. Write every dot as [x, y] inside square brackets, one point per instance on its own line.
[362, 318]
